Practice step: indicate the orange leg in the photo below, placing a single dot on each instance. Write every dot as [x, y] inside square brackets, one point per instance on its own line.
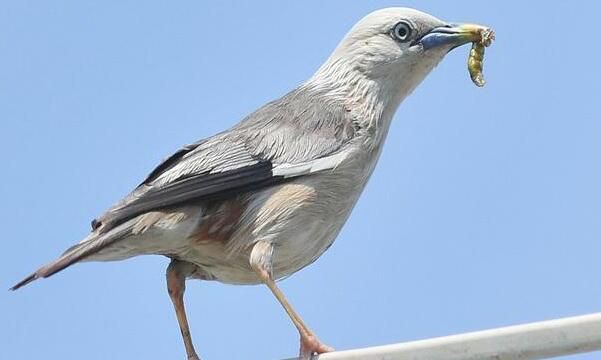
[261, 263]
[176, 285]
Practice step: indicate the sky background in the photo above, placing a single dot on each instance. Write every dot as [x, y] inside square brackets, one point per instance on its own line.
[484, 210]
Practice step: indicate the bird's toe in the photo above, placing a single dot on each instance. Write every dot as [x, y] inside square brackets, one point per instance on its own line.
[311, 345]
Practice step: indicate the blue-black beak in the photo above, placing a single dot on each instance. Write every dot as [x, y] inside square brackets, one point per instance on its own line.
[452, 36]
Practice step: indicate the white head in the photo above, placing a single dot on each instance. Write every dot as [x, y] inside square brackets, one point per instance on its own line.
[386, 55]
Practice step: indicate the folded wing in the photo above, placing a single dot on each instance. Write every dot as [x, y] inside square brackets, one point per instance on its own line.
[301, 134]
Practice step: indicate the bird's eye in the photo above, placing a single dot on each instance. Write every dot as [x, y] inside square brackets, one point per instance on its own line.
[402, 31]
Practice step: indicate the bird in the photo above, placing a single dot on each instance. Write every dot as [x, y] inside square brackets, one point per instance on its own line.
[264, 199]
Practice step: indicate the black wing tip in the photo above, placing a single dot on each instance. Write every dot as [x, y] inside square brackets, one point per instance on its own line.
[25, 281]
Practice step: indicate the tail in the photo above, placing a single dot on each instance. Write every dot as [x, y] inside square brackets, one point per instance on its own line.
[89, 246]
[68, 258]
[25, 281]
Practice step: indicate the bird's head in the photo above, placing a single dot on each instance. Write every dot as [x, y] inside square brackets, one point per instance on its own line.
[394, 49]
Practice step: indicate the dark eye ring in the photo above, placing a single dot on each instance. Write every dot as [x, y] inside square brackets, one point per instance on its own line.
[402, 31]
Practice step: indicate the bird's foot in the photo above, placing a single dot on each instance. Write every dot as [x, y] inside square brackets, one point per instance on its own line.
[309, 345]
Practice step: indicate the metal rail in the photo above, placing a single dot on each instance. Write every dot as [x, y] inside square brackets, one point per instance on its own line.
[539, 340]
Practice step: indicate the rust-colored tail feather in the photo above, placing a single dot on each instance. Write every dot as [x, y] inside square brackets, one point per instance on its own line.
[68, 258]
[25, 281]
[75, 253]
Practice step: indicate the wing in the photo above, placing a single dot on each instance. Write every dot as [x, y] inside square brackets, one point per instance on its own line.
[298, 135]
[294, 136]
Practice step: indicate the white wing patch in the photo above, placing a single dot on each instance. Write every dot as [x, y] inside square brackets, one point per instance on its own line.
[310, 167]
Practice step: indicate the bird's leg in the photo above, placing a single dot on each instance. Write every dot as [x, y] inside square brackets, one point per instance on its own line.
[260, 261]
[176, 285]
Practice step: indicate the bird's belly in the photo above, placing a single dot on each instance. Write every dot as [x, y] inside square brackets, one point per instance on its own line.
[301, 219]
[305, 245]
[294, 249]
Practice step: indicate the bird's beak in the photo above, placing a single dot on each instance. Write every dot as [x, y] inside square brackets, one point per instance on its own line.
[452, 36]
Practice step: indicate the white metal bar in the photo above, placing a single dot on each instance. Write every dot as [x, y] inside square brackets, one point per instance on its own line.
[539, 340]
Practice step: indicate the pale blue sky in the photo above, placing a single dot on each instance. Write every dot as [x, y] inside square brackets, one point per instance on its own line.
[484, 210]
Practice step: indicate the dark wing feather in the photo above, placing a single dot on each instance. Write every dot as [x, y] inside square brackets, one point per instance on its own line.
[213, 168]
[196, 188]
[169, 162]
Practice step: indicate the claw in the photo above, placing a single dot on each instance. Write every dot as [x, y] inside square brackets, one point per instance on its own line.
[309, 345]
